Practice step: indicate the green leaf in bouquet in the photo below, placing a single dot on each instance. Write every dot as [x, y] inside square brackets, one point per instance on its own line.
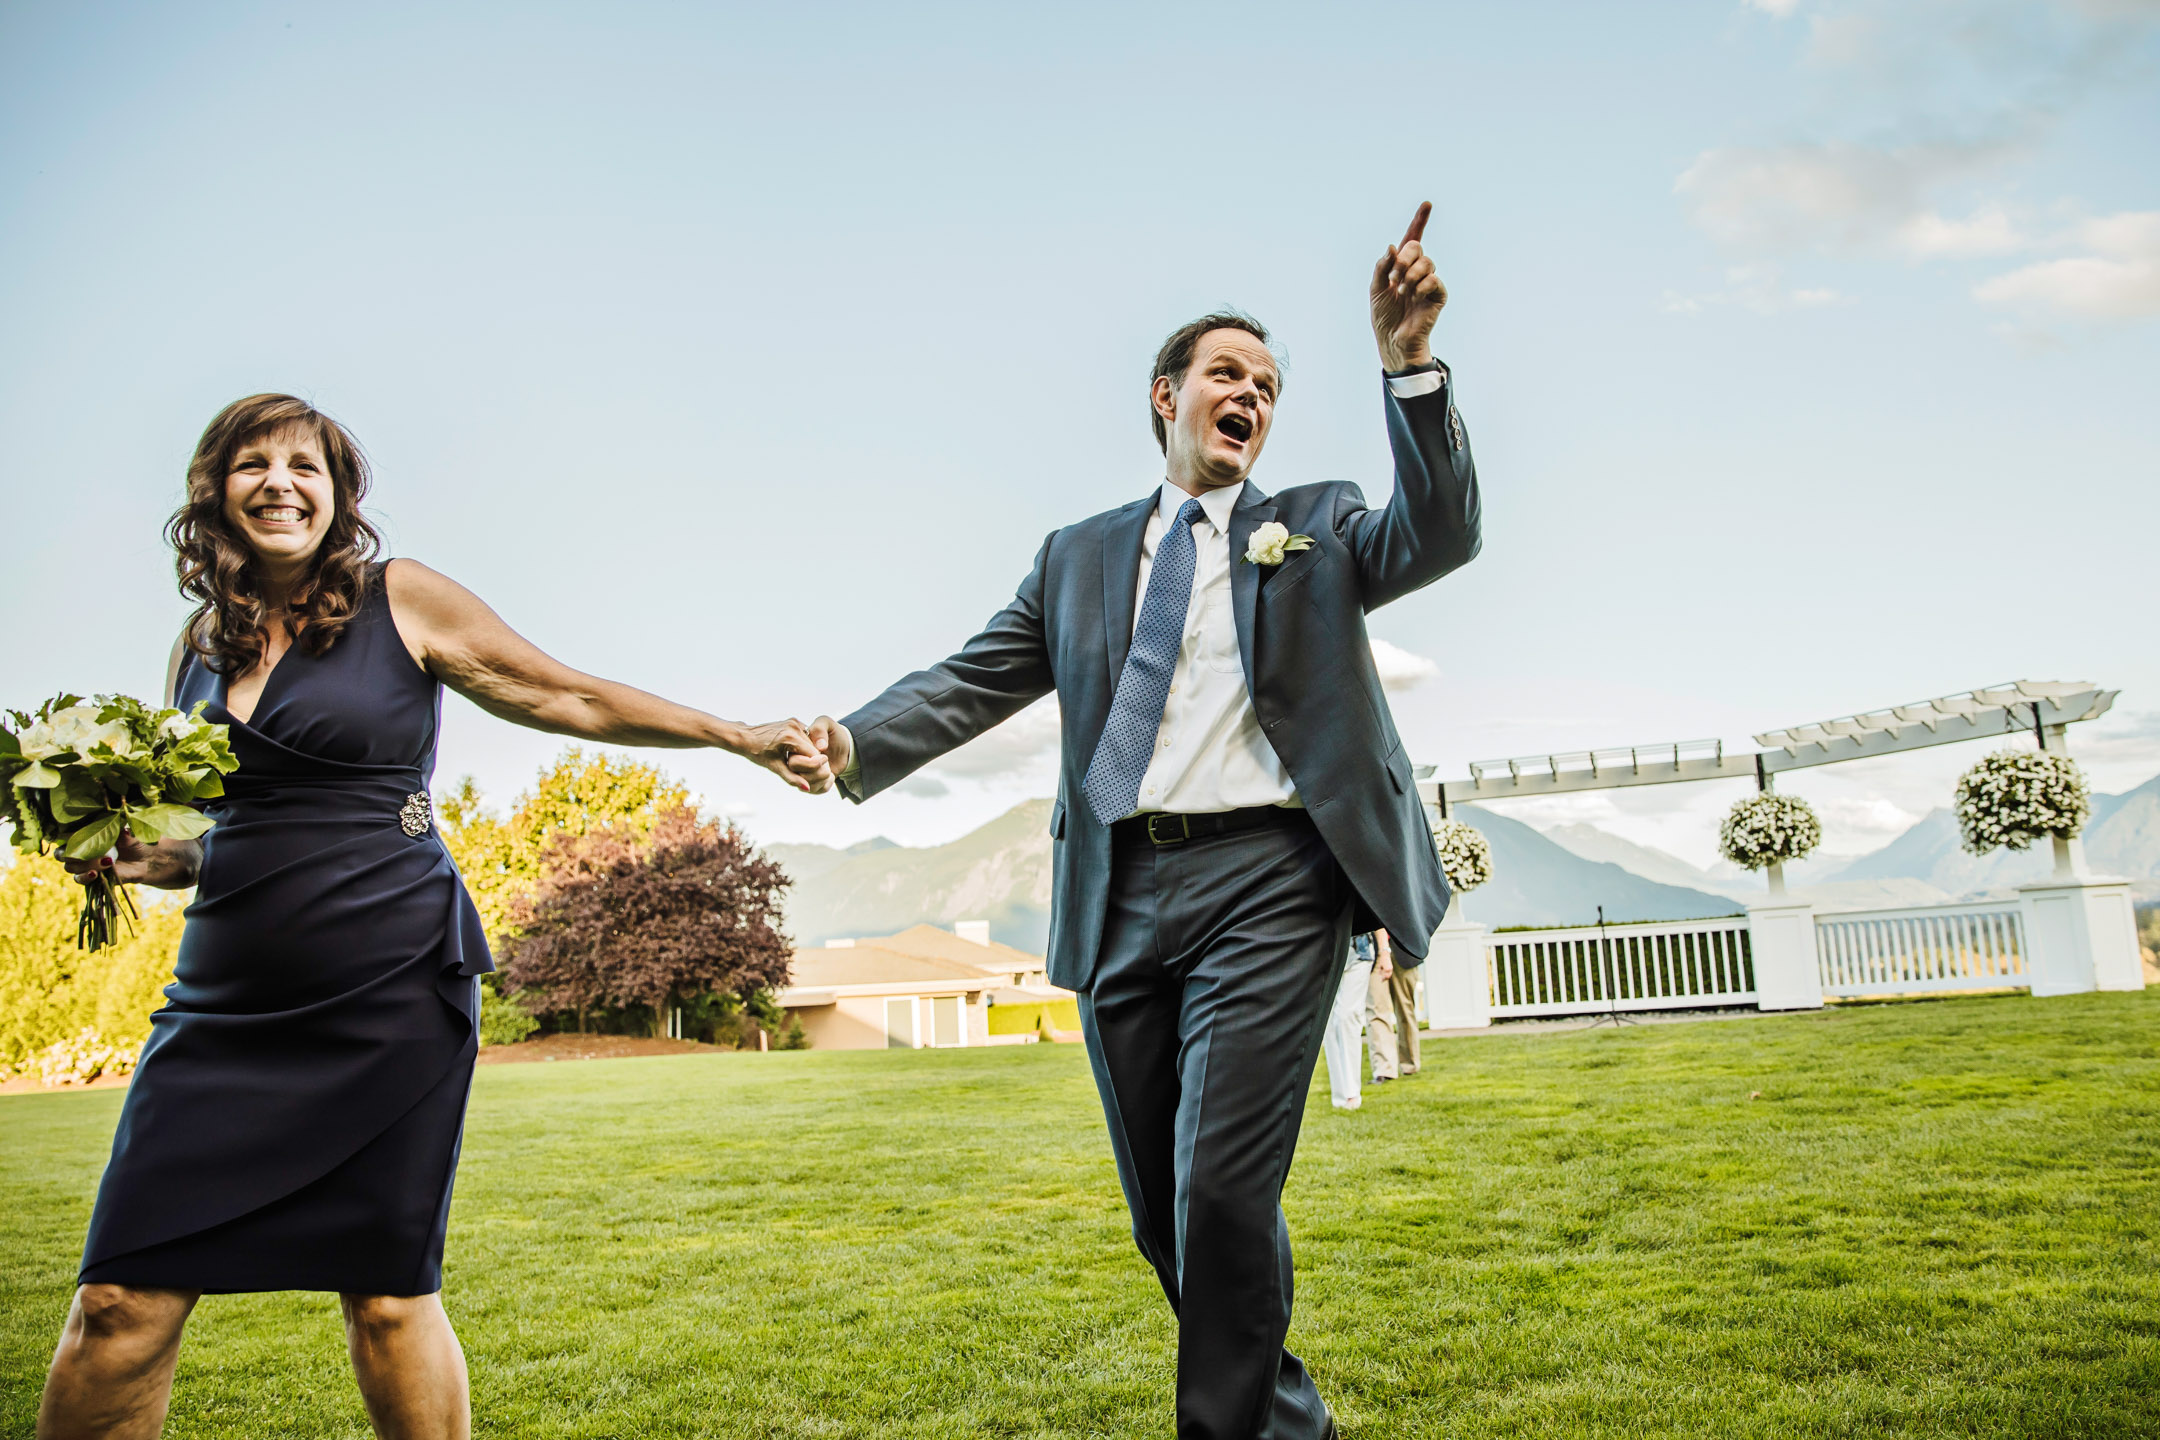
[37, 775]
[78, 796]
[153, 823]
[29, 820]
[9, 745]
[95, 838]
[125, 776]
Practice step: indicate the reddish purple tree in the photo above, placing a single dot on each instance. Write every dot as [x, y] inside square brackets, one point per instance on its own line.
[618, 920]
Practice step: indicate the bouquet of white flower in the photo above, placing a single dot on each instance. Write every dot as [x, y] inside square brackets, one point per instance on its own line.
[2014, 797]
[1769, 829]
[1465, 857]
[76, 774]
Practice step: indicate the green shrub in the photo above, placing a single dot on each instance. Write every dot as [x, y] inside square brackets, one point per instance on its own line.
[503, 1021]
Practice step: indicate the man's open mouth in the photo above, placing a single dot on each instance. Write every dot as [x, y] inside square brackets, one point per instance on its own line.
[1237, 427]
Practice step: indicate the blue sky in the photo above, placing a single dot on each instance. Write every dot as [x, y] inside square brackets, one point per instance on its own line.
[747, 353]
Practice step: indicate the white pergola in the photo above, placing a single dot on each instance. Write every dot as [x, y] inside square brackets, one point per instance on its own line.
[2041, 708]
[2075, 932]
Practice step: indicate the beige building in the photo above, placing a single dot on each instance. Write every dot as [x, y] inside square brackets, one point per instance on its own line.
[916, 989]
[924, 988]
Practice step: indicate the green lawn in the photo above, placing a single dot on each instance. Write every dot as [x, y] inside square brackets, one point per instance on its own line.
[1938, 1219]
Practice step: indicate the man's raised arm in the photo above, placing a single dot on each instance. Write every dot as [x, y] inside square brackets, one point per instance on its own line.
[994, 676]
[1432, 525]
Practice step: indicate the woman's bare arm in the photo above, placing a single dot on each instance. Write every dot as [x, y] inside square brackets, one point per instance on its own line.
[454, 636]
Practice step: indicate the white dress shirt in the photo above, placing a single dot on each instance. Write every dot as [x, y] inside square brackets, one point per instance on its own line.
[1210, 753]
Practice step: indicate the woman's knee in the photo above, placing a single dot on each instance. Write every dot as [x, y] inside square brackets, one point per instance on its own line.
[381, 1316]
[121, 1312]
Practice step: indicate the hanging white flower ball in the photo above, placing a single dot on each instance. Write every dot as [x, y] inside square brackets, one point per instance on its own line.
[2014, 797]
[1465, 858]
[1769, 829]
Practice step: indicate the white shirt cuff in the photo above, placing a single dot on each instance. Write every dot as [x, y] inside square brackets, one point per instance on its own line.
[1409, 387]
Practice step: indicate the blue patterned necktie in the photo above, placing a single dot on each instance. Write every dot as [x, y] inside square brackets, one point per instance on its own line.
[1128, 739]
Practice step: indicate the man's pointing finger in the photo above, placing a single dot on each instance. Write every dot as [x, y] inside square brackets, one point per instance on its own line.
[1417, 223]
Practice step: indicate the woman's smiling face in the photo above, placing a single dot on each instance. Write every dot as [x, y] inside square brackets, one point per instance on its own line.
[279, 496]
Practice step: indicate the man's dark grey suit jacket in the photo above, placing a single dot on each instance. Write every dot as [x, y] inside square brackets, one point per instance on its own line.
[1308, 665]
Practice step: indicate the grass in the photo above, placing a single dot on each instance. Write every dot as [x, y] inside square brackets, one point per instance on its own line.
[1938, 1219]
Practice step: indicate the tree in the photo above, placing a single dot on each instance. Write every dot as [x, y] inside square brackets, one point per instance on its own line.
[579, 793]
[623, 916]
[51, 991]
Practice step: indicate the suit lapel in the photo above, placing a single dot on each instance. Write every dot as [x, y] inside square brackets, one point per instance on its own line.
[1253, 510]
[1121, 578]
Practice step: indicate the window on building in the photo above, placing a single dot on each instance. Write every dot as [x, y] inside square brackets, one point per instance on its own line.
[945, 1020]
[900, 1024]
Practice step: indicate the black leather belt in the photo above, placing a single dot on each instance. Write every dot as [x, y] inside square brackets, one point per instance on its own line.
[1157, 828]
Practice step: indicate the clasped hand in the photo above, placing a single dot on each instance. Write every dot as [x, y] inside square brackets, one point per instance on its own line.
[809, 757]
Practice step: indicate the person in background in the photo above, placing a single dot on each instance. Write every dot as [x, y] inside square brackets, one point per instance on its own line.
[1346, 1022]
[1378, 1009]
[1402, 995]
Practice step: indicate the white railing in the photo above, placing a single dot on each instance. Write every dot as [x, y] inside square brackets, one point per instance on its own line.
[1916, 952]
[1669, 965]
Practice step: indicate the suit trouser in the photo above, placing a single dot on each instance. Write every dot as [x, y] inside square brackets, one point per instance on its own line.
[1402, 989]
[1219, 958]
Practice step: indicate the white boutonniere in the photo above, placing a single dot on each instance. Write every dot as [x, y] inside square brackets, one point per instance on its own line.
[1271, 542]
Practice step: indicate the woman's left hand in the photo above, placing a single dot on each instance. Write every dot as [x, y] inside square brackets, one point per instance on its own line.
[784, 747]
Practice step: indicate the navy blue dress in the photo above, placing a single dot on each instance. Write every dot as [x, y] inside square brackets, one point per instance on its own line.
[295, 1118]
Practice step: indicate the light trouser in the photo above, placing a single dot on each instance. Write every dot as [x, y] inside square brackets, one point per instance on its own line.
[1345, 1041]
[1402, 989]
[1379, 1024]
[1219, 959]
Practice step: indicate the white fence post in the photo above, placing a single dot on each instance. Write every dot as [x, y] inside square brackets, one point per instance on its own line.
[1458, 993]
[1781, 938]
[2082, 935]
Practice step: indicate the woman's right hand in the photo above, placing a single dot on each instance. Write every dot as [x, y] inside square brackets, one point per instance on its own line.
[167, 865]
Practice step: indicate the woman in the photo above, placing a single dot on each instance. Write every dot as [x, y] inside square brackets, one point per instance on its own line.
[295, 1119]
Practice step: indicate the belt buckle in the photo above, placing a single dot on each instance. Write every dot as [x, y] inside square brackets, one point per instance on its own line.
[1179, 836]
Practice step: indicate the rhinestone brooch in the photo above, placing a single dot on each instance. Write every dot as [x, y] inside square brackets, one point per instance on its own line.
[416, 814]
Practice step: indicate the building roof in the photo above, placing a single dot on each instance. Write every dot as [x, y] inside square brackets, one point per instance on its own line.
[874, 964]
[929, 942]
[921, 959]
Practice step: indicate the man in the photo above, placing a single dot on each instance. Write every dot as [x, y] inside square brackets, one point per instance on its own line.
[1234, 802]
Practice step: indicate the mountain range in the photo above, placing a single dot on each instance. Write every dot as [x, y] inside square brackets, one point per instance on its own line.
[2121, 838]
[1556, 876]
[1001, 873]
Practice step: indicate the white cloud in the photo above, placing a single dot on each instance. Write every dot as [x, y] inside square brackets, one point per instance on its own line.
[1868, 819]
[1988, 231]
[1934, 100]
[1013, 750]
[2120, 282]
[1778, 199]
[1756, 288]
[1399, 669]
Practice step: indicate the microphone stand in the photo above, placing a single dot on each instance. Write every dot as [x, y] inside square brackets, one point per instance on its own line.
[1612, 1015]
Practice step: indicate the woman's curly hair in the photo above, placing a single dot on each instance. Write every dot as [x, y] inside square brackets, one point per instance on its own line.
[230, 625]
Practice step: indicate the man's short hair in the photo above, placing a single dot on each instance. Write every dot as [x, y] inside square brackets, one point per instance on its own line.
[1176, 356]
